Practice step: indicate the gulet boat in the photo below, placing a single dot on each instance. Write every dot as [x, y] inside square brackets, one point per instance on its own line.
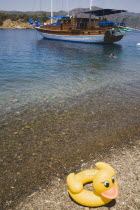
[87, 30]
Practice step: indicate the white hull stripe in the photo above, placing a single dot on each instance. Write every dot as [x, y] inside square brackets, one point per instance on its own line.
[87, 39]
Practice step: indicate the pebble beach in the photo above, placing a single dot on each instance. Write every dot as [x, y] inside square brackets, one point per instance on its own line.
[125, 162]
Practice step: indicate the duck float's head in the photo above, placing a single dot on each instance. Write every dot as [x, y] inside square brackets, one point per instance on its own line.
[104, 181]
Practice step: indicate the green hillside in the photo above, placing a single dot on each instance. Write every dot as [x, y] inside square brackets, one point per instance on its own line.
[131, 19]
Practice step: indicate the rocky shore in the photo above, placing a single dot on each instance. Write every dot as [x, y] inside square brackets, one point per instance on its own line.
[19, 24]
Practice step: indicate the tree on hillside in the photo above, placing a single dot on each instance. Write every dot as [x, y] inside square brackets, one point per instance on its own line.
[3, 17]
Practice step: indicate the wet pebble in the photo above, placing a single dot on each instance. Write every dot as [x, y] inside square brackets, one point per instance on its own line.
[15, 100]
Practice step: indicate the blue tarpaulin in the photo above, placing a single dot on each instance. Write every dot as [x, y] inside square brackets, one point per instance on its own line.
[107, 23]
[121, 23]
[38, 23]
[31, 21]
[59, 17]
[58, 23]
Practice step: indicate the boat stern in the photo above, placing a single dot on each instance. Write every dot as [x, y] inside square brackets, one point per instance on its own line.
[113, 35]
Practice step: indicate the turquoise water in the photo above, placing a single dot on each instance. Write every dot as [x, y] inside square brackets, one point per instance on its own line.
[37, 71]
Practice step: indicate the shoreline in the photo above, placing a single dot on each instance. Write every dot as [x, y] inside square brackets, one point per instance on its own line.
[17, 27]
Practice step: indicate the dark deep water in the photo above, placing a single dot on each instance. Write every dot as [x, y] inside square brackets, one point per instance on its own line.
[62, 102]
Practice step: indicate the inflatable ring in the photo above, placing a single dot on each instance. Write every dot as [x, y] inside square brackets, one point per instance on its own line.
[104, 184]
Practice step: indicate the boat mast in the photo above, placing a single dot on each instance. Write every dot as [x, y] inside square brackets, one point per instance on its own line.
[51, 10]
[68, 7]
[91, 4]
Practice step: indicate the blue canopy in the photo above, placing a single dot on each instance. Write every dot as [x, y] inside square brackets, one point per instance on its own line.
[120, 23]
[59, 17]
[107, 23]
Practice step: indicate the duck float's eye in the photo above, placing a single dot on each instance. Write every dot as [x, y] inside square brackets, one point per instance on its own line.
[113, 179]
[106, 184]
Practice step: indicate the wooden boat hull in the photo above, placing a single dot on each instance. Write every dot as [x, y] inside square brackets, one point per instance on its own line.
[105, 37]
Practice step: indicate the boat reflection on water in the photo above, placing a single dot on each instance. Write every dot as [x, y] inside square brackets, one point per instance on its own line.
[79, 53]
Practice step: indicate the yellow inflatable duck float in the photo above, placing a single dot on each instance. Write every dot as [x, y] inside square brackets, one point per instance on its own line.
[104, 184]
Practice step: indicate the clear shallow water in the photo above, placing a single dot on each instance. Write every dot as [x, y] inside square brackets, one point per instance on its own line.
[35, 71]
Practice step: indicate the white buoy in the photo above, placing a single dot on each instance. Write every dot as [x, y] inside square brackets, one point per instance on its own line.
[138, 44]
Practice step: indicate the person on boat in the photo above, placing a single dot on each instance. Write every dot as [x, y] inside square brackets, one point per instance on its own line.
[113, 31]
[112, 55]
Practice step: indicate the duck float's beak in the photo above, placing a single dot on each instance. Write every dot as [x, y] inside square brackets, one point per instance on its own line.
[112, 193]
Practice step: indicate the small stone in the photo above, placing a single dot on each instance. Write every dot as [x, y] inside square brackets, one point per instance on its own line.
[15, 100]
[27, 127]
[5, 124]
[137, 200]
[8, 109]
[47, 139]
